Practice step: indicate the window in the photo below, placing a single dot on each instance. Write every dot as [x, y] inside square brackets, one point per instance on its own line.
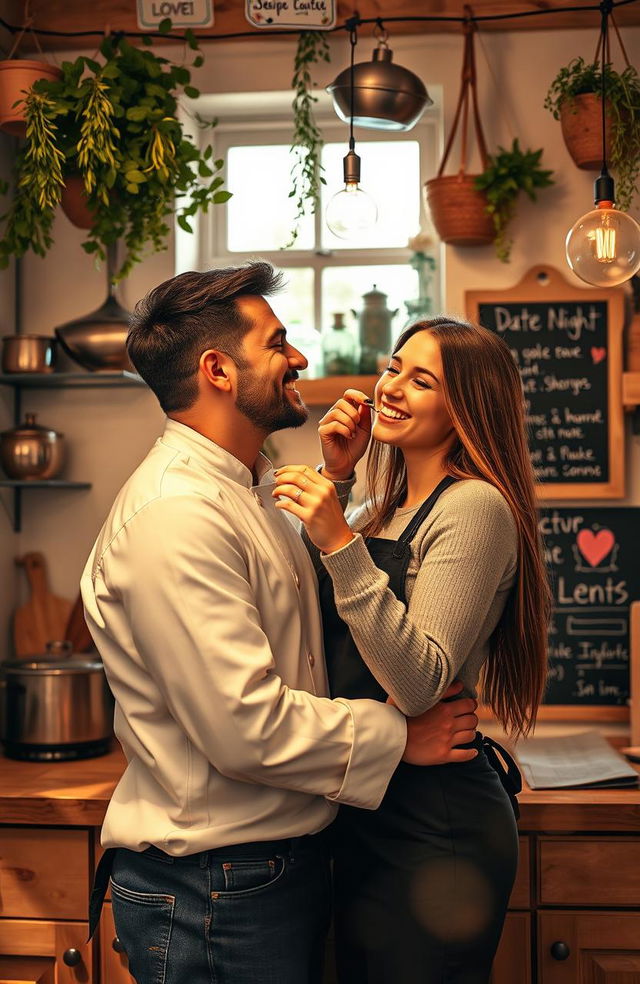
[325, 275]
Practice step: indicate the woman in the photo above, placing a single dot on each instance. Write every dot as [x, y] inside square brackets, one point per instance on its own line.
[440, 575]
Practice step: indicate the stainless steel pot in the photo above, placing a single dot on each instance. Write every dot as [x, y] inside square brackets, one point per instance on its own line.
[56, 706]
[28, 353]
[31, 451]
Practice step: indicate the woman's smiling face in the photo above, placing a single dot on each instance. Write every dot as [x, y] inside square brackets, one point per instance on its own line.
[410, 400]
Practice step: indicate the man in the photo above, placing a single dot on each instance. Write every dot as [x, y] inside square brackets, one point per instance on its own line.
[202, 601]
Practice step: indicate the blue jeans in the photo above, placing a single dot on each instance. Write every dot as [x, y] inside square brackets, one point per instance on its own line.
[250, 914]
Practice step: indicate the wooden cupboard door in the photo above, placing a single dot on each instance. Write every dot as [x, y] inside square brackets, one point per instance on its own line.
[114, 966]
[589, 947]
[593, 871]
[26, 970]
[513, 960]
[44, 873]
[32, 945]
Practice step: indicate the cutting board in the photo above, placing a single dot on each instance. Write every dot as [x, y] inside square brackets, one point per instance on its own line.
[76, 631]
[44, 616]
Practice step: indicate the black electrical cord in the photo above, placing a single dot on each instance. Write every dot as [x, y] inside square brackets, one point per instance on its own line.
[348, 24]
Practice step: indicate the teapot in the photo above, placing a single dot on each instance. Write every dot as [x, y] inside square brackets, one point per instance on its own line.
[374, 323]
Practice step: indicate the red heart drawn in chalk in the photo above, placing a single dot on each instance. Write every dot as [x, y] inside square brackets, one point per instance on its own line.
[594, 547]
[598, 354]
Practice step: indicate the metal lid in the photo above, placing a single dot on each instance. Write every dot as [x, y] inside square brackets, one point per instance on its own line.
[57, 660]
[31, 429]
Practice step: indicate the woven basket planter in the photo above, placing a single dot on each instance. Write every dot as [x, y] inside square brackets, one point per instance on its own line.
[581, 121]
[16, 76]
[458, 210]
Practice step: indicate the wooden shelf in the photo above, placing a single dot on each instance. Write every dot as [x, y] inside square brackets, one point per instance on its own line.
[72, 380]
[631, 390]
[324, 392]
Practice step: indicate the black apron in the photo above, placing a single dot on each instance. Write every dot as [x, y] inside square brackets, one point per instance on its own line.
[422, 883]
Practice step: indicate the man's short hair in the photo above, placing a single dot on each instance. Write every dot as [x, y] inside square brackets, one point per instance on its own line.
[178, 320]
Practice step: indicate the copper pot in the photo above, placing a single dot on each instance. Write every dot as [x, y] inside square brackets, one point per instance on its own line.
[28, 353]
[31, 452]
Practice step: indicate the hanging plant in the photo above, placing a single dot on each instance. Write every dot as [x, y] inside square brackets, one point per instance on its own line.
[112, 122]
[580, 81]
[307, 142]
[507, 174]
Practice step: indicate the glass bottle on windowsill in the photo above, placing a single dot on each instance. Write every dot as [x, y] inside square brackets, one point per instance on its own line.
[338, 349]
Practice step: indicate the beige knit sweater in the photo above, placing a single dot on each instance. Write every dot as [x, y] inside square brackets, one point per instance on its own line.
[463, 565]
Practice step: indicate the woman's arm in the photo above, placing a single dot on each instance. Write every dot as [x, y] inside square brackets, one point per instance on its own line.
[416, 651]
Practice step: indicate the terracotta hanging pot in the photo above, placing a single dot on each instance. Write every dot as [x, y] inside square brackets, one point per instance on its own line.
[458, 210]
[74, 202]
[16, 76]
[581, 121]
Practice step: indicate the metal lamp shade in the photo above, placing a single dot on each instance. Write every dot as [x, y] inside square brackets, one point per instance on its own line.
[385, 96]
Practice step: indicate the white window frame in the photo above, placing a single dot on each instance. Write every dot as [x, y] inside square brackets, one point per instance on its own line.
[251, 118]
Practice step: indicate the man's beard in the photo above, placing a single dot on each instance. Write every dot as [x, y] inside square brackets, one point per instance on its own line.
[265, 404]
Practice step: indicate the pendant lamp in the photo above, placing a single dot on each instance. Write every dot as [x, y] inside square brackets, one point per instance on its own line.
[351, 211]
[603, 247]
[386, 96]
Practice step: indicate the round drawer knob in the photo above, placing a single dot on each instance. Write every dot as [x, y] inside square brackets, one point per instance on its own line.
[559, 950]
[117, 944]
[72, 957]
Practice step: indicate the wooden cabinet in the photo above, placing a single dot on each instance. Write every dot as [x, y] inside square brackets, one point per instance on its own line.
[581, 890]
[45, 952]
[574, 913]
[589, 947]
[113, 961]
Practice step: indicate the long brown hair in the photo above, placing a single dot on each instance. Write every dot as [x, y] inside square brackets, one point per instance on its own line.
[483, 395]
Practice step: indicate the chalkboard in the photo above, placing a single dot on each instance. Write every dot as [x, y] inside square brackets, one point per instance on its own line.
[594, 559]
[567, 343]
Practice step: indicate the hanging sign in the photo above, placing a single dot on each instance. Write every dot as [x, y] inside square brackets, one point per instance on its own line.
[298, 15]
[182, 13]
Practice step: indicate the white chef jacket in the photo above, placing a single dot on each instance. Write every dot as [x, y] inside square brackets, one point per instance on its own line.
[202, 601]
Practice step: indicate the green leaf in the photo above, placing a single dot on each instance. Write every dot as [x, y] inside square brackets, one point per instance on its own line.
[182, 222]
[191, 91]
[222, 196]
[165, 26]
[191, 39]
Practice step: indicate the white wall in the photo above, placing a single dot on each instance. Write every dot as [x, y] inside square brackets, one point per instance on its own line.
[109, 431]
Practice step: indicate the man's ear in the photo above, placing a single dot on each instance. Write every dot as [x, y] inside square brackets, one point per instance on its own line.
[217, 369]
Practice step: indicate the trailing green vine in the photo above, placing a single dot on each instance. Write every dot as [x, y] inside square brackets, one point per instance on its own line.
[508, 173]
[112, 121]
[307, 142]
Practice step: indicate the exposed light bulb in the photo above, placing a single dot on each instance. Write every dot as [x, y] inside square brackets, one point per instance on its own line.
[351, 211]
[603, 247]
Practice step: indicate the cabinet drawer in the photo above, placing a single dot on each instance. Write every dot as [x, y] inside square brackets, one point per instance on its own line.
[44, 873]
[598, 871]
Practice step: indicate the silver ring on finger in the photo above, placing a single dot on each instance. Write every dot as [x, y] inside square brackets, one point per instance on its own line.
[298, 494]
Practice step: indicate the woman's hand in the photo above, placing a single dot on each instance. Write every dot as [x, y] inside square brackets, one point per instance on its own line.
[345, 431]
[311, 497]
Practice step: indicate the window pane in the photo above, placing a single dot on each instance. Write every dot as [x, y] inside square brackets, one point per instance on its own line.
[294, 307]
[391, 175]
[260, 216]
[343, 287]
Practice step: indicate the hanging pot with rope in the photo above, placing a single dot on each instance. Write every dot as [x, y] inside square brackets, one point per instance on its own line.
[458, 209]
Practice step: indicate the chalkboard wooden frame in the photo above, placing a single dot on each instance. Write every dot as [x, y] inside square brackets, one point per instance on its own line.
[544, 284]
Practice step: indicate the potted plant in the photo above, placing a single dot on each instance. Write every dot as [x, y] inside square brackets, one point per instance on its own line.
[508, 172]
[17, 75]
[574, 99]
[109, 127]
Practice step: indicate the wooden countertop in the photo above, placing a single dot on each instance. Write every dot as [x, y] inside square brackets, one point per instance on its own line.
[77, 793]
